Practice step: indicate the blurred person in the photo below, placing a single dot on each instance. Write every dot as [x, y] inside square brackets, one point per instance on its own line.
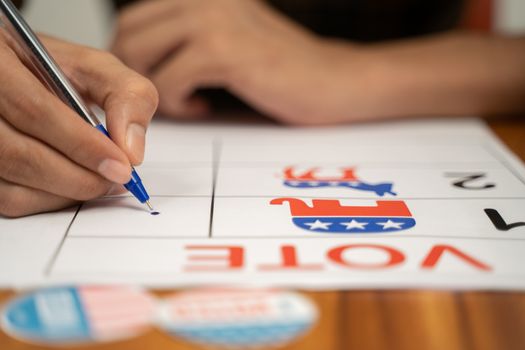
[322, 61]
[49, 157]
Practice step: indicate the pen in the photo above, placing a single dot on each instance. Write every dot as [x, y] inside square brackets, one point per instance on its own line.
[56, 81]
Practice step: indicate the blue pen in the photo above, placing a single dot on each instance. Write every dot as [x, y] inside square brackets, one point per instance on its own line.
[57, 82]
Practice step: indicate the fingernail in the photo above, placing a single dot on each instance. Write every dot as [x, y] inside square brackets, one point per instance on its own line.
[135, 139]
[115, 171]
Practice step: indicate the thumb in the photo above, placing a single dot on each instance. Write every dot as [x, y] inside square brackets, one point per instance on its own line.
[128, 99]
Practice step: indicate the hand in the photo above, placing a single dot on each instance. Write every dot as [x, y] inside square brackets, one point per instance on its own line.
[49, 157]
[241, 45]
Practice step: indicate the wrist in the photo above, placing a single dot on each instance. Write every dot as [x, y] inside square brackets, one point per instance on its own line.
[352, 77]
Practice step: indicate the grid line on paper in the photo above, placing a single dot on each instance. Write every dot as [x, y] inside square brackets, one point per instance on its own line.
[370, 164]
[51, 263]
[315, 197]
[216, 156]
[320, 236]
[371, 198]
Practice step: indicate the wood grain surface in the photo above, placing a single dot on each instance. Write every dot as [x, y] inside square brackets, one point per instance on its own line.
[422, 320]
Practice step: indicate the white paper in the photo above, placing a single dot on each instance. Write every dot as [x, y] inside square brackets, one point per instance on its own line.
[254, 205]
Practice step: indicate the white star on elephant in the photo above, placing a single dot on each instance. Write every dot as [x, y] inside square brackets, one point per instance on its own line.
[391, 224]
[354, 224]
[318, 224]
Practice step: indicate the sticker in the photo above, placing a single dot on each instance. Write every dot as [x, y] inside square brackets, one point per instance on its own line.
[70, 315]
[237, 318]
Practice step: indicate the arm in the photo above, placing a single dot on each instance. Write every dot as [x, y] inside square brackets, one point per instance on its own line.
[458, 73]
[289, 73]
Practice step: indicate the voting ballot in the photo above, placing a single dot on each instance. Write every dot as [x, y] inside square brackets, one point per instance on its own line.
[406, 204]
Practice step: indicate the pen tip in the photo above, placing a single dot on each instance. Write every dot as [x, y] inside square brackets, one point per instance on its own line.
[149, 206]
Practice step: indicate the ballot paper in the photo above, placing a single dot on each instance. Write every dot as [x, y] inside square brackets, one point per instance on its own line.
[404, 204]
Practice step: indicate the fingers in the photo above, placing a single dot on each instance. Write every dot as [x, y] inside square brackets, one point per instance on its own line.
[33, 110]
[157, 40]
[135, 17]
[18, 201]
[128, 99]
[29, 163]
[189, 71]
[185, 47]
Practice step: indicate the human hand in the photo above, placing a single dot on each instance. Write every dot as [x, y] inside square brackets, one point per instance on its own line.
[49, 157]
[241, 45]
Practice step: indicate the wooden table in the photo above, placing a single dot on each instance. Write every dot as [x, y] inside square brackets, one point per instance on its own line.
[422, 320]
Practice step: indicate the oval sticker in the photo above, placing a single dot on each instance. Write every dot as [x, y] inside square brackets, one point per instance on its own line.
[69, 315]
[237, 318]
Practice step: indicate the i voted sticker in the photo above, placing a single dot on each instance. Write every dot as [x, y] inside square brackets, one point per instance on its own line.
[71, 315]
[237, 318]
